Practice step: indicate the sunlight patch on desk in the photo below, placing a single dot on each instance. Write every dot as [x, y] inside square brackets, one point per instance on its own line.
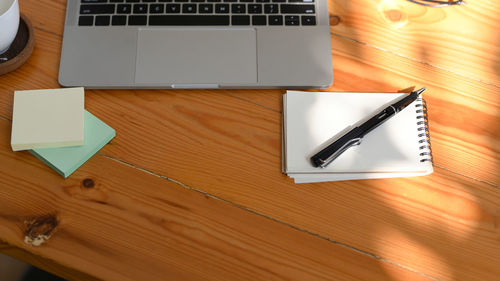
[455, 150]
[393, 13]
[452, 212]
[416, 253]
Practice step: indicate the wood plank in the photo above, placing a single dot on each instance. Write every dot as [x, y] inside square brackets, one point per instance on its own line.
[45, 264]
[226, 153]
[466, 145]
[380, 216]
[463, 114]
[197, 125]
[200, 124]
[460, 39]
[116, 222]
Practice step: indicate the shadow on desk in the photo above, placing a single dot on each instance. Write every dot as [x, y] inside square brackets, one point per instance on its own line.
[465, 207]
[14, 270]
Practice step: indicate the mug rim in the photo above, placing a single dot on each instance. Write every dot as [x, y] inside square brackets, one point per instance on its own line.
[10, 8]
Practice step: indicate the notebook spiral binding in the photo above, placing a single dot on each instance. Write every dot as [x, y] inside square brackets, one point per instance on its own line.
[423, 129]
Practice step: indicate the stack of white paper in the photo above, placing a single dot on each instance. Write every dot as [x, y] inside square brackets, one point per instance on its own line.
[312, 120]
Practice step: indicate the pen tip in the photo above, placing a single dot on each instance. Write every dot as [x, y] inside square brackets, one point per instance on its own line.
[418, 92]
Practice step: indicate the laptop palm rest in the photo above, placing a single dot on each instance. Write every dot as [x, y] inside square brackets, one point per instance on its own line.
[196, 56]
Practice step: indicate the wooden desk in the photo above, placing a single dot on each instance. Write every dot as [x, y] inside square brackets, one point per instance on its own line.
[191, 188]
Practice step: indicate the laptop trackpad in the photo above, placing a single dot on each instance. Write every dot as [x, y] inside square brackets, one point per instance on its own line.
[196, 56]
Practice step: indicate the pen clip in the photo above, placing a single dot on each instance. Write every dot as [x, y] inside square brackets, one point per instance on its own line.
[352, 142]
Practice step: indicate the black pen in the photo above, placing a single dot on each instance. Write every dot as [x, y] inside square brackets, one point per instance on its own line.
[354, 136]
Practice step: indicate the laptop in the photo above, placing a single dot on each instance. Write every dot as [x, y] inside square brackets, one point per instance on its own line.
[189, 44]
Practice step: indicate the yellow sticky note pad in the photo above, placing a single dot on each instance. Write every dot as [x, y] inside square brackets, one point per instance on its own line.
[47, 118]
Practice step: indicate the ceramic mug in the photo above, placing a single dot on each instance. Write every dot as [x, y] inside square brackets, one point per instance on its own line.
[9, 23]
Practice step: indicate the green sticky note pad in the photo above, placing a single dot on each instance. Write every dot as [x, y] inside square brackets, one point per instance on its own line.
[65, 160]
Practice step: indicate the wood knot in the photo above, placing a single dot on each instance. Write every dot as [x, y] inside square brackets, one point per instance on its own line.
[394, 15]
[334, 20]
[40, 229]
[88, 183]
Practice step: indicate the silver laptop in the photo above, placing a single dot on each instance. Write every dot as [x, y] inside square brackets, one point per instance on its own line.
[196, 44]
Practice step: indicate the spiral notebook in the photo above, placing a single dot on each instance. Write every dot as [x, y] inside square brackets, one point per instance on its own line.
[399, 147]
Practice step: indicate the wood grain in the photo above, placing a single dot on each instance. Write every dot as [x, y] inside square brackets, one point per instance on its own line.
[472, 136]
[460, 39]
[232, 153]
[119, 223]
[44, 263]
[227, 144]
[463, 114]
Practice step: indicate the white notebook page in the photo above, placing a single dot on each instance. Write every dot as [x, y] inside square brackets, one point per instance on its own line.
[312, 119]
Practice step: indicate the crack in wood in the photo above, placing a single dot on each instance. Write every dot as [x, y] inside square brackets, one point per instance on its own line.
[208, 195]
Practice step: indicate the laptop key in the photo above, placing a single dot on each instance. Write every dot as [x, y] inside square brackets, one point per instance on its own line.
[206, 8]
[124, 9]
[189, 8]
[86, 20]
[271, 8]
[173, 8]
[240, 20]
[119, 20]
[275, 20]
[140, 8]
[222, 8]
[94, 1]
[238, 8]
[156, 8]
[188, 20]
[97, 9]
[102, 20]
[297, 9]
[301, 1]
[292, 20]
[137, 20]
[259, 20]
[308, 20]
[254, 8]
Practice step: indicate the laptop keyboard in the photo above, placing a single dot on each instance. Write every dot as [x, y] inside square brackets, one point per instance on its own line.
[197, 13]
